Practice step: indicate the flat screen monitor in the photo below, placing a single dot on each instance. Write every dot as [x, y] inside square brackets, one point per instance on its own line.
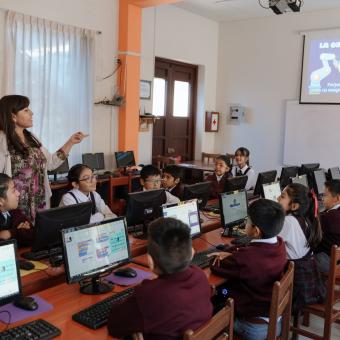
[234, 208]
[300, 179]
[93, 249]
[201, 191]
[235, 183]
[264, 178]
[272, 191]
[10, 284]
[61, 169]
[50, 222]
[286, 173]
[125, 159]
[334, 173]
[319, 179]
[94, 161]
[188, 213]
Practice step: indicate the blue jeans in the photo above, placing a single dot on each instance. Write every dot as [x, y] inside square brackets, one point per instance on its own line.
[253, 331]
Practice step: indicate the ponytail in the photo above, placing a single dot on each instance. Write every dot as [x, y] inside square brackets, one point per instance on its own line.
[312, 219]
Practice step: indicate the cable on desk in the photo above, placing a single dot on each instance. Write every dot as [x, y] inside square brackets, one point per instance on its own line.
[214, 245]
[9, 319]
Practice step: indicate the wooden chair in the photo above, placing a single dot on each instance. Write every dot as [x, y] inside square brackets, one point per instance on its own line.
[325, 310]
[209, 157]
[162, 161]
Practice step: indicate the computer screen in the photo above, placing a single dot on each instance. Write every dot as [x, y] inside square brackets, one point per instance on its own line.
[272, 191]
[94, 161]
[10, 284]
[124, 159]
[94, 248]
[286, 173]
[264, 178]
[62, 169]
[319, 177]
[188, 213]
[300, 179]
[334, 173]
[233, 207]
[50, 222]
[235, 183]
[201, 191]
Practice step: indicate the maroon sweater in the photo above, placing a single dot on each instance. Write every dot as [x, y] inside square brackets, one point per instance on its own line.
[218, 187]
[164, 308]
[251, 272]
[177, 190]
[330, 224]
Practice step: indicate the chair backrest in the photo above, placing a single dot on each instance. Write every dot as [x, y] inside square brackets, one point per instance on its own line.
[220, 326]
[281, 304]
[209, 157]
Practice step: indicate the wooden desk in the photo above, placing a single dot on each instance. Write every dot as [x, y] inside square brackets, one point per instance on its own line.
[197, 165]
[192, 171]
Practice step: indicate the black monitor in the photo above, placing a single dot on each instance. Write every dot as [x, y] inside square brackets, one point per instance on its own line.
[201, 191]
[62, 169]
[319, 179]
[272, 191]
[125, 159]
[234, 210]
[235, 183]
[301, 180]
[334, 173]
[50, 222]
[286, 173]
[10, 283]
[93, 249]
[307, 169]
[264, 178]
[188, 213]
[94, 161]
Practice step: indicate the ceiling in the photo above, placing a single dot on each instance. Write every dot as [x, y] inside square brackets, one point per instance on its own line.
[230, 10]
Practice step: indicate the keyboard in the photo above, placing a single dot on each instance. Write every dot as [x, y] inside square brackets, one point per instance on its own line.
[42, 254]
[201, 259]
[37, 329]
[97, 315]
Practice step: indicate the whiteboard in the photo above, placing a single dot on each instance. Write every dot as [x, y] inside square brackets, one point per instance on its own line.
[312, 134]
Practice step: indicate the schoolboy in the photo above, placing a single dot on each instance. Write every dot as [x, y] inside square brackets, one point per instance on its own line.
[172, 180]
[330, 224]
[252, 270]
[178, 300]
[218, 178]
[150, 179]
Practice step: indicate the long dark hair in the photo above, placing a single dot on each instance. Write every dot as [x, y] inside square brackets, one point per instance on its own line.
[307, 211]
[9, 105]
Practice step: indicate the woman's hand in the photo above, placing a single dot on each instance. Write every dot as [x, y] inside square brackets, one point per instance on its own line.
[77, 137]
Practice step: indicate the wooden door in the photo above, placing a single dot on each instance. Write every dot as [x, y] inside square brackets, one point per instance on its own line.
[174, 98]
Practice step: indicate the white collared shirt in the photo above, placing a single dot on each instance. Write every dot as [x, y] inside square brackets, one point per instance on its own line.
[271, 240]
[335, 207]
[251, 175]
[170, 198]
[219, 177]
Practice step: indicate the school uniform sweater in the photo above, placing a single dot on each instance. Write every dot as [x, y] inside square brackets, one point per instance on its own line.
[164, 308]
[218, 183]
[251, 272]
[177, 190]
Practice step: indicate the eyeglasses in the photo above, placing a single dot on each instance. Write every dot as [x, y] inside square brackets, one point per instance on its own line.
[88, 179]
[155, 181]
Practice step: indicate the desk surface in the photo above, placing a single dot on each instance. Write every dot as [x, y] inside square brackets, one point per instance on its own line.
[197, 165]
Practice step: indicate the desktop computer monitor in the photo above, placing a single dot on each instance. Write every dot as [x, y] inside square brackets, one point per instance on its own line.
[235, 183]
[264, 178]
[334, 173]
[201, 191]
[286, 173]
[94, 161]
[233, 207]
[188, 213]
[125, 159]
[272, 191]
[319, 179]
[10, 283]
[62, 169]
[93, 249]
[300, 179]
[307, 169]
[50, 222]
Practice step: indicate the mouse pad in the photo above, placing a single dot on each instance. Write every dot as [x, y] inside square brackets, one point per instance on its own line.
[127, 281]
[18, 314]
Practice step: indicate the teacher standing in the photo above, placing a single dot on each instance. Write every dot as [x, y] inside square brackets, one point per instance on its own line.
[23, 157]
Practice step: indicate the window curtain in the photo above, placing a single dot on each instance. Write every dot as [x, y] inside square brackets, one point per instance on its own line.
[52, 64]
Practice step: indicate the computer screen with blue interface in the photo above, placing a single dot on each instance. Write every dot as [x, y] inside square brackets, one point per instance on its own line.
[9, 278]
[188, 213]
[272, 191]
[234, 207]
[93, 248]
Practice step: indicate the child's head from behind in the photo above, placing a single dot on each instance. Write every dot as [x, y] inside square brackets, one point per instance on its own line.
[242, 157]
[9, 196]
[222, 165]
[82, 178]
[150, 177]
[169, 246]
[265, 219]
[171, 176]
[331, 195]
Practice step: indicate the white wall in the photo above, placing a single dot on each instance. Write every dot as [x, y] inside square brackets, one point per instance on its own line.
[259, 67]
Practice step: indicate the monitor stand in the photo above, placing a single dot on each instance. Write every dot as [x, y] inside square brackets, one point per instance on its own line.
[95, 287]
[143, 233]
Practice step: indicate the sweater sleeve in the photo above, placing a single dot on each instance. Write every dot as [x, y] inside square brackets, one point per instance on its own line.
[23, 236]
[228, 268]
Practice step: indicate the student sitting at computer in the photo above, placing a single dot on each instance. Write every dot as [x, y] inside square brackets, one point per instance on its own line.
[252, 270]
[172, 180]
[218, 178]
[150, 179]
[178, 300]
[13, 223]
[330, 224]
[242, 167]
[84, 189]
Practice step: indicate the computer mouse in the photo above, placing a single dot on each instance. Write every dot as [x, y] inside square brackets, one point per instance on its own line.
[126, 272]
[220, 246]
[26, 302]
[26, 265]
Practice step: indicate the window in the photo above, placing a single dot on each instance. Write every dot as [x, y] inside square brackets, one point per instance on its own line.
[181, 99]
